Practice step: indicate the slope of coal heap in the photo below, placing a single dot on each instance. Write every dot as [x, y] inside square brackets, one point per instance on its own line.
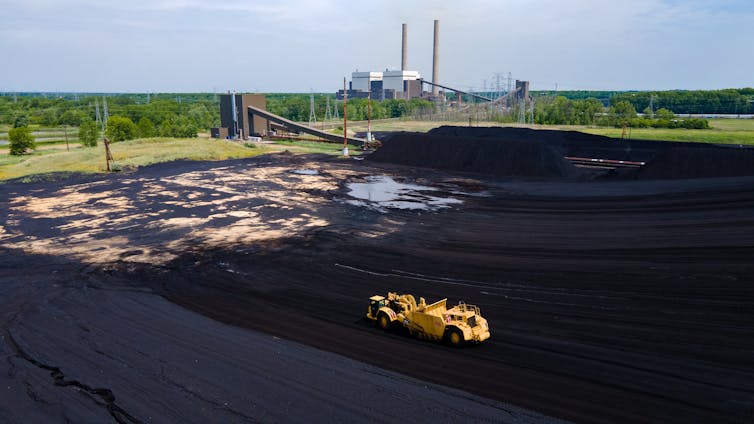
[567, 143]
[681, 160]
[519, 158]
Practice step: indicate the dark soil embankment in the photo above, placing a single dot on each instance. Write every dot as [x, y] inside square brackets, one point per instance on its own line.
[517, 158]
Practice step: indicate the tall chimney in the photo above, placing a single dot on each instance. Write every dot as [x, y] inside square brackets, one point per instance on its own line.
[436, 60]
[404, 50]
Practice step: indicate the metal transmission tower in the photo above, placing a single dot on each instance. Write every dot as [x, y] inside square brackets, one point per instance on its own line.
[510, 82]
[312, 115]
[97, 115]
[531, 111]
[652, 105]
[522, 111]
[335, 115]
[328, 111]
[104, 114]
[498, 87]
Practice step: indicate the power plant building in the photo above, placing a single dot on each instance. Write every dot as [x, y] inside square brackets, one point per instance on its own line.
[363, 80]
[391, 84]
[396, 80]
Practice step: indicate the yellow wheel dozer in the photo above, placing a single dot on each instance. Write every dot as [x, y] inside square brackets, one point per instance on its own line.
[457, 326]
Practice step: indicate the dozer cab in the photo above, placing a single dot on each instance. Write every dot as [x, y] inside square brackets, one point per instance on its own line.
[457, 326]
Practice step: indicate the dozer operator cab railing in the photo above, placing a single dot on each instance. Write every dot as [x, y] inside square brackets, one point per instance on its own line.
[463, 307]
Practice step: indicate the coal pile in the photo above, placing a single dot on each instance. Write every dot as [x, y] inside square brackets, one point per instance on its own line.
[490, 156]
[681, 160]
[524, 152]
[567, 143]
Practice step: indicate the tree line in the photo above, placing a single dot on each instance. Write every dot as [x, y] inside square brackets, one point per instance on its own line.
[563, 111]
[297, 107]
[729, 101]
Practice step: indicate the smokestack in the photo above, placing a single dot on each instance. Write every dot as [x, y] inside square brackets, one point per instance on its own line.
[404, 50]
[436, 60]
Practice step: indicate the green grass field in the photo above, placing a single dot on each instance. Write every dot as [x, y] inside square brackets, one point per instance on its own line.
[135, 153]
[724, 131]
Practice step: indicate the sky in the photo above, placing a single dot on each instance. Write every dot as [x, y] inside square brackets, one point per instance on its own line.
[310, 45]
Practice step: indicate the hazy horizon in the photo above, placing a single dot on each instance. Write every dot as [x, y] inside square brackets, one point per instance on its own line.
[196, 46]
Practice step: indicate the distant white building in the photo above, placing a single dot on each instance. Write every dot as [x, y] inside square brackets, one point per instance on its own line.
[393, 80]
[363, 80]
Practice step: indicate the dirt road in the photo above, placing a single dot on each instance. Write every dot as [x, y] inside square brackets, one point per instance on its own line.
[608, 301]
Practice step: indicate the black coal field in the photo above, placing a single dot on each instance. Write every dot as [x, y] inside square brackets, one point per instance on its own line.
[616, 277]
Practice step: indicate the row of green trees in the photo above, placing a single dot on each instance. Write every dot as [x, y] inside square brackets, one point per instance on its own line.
[297, 107]
[730, 101]
[118, 128]
[165, 114]
[563, 111]
[179, 117]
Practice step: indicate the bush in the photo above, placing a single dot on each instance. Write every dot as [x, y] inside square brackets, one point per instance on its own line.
[20, 140]
[689, 123]
[663, 113]
[88, 132]
[146, 128]
[72, 117]
[120, 128]
[694, 124]
[21, 121]
[180, 127]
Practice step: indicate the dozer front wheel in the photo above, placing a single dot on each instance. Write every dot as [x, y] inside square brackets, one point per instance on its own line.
[455, 337]
[383, 321]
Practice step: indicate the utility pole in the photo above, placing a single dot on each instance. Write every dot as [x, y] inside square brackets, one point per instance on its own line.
[345, 119]
[108, 155]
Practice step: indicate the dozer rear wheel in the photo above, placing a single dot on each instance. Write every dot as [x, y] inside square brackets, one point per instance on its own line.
[383, 321]
[455, 337]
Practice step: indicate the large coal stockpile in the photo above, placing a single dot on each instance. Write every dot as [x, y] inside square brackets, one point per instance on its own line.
[567, 143]
[490, 156]
[682, 160]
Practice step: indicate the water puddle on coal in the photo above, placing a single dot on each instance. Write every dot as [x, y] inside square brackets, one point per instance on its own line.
[304, 171]
[382, 192]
